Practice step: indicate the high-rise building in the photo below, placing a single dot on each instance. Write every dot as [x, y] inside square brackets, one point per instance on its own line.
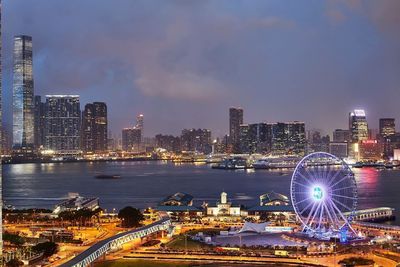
[140, 125]
[131, 139]
[339, 149]
[370, 150]
[358, 125]
[95, 128]
[169, 142]
[317, 143]
[288, 138]
[387, 127]
[23, 103]
[198, 140]
[235, 120]
[341, 135]
[39, 125]
[296, 137]
[244, 139]
[140, 122]
[260, 137]
[63, 117]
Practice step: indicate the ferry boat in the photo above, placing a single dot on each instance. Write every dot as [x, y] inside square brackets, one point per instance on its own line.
[235, 163]
[107, 176]
[276, 163]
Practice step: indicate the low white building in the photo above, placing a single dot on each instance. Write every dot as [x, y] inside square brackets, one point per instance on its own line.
[223, 210]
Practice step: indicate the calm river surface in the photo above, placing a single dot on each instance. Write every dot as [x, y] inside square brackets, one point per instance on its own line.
[144, 184]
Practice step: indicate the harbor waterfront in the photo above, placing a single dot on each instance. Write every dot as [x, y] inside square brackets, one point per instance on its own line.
[145, 183]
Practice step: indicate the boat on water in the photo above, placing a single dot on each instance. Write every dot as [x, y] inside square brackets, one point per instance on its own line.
[107, 176]
[276, 163]
[236, 163]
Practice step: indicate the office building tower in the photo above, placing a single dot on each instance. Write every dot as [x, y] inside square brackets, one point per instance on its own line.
[370, 150]
[95, 128]
[317, 143]
[62, 120]
[235, 120]
[198, 140]
[339, 149]
[244, 139]
[358, 125]
[260, 137]
[296, 138]
[140, 125]
[279, 138]
[387, 127]
[39, 124]
[131, 139]
[169, 142]
[140, 122]
[23, 103]
[288, 138]
[341, 135]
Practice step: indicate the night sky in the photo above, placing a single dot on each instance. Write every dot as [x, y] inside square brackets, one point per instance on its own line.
[184, 63]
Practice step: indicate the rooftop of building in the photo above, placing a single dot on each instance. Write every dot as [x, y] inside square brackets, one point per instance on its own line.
[177, 208]
[183, 198]
[273, 196]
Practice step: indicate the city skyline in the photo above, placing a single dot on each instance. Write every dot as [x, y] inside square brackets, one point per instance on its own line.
[138, 82]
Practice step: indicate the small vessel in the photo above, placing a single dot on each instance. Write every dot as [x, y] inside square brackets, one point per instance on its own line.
[235, 163]
[107, 176]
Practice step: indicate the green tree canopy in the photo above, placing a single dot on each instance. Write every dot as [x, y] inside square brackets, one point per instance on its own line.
[130, 217]
[47, 248]
[14, 263]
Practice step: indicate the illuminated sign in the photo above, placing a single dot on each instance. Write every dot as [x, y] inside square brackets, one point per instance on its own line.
[359, 112]
[369, 141]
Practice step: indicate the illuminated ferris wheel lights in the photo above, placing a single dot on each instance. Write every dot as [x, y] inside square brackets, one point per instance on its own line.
[323, 190]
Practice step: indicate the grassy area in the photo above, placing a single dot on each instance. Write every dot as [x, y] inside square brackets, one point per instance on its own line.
[143, 263]
[179, 244]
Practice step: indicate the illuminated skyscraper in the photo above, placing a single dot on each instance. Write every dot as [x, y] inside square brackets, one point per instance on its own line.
[196, 140]
[63, 116]
[23, 103]
[341, 135]
[387, 127]
[131, 139]
[94, 127]
[288, 138]
[140, 122]
[235, 120]
[358, 125]
[39, 122]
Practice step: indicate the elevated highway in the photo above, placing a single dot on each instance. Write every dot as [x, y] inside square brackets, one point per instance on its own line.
[115, 242]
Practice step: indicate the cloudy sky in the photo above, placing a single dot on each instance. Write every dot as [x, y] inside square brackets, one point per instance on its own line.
[184, 63]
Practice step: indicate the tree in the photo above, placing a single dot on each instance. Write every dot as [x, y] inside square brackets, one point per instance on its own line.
[14, 263]
[130, 217]
[47, 248]
[14, 239]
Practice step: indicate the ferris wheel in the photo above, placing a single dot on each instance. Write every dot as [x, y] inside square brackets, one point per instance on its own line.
[324, 194]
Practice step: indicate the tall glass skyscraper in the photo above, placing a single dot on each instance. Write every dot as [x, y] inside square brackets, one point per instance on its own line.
[23, 95]
[235, 120]
[63, 124]
[94, 127]
[358, 125]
